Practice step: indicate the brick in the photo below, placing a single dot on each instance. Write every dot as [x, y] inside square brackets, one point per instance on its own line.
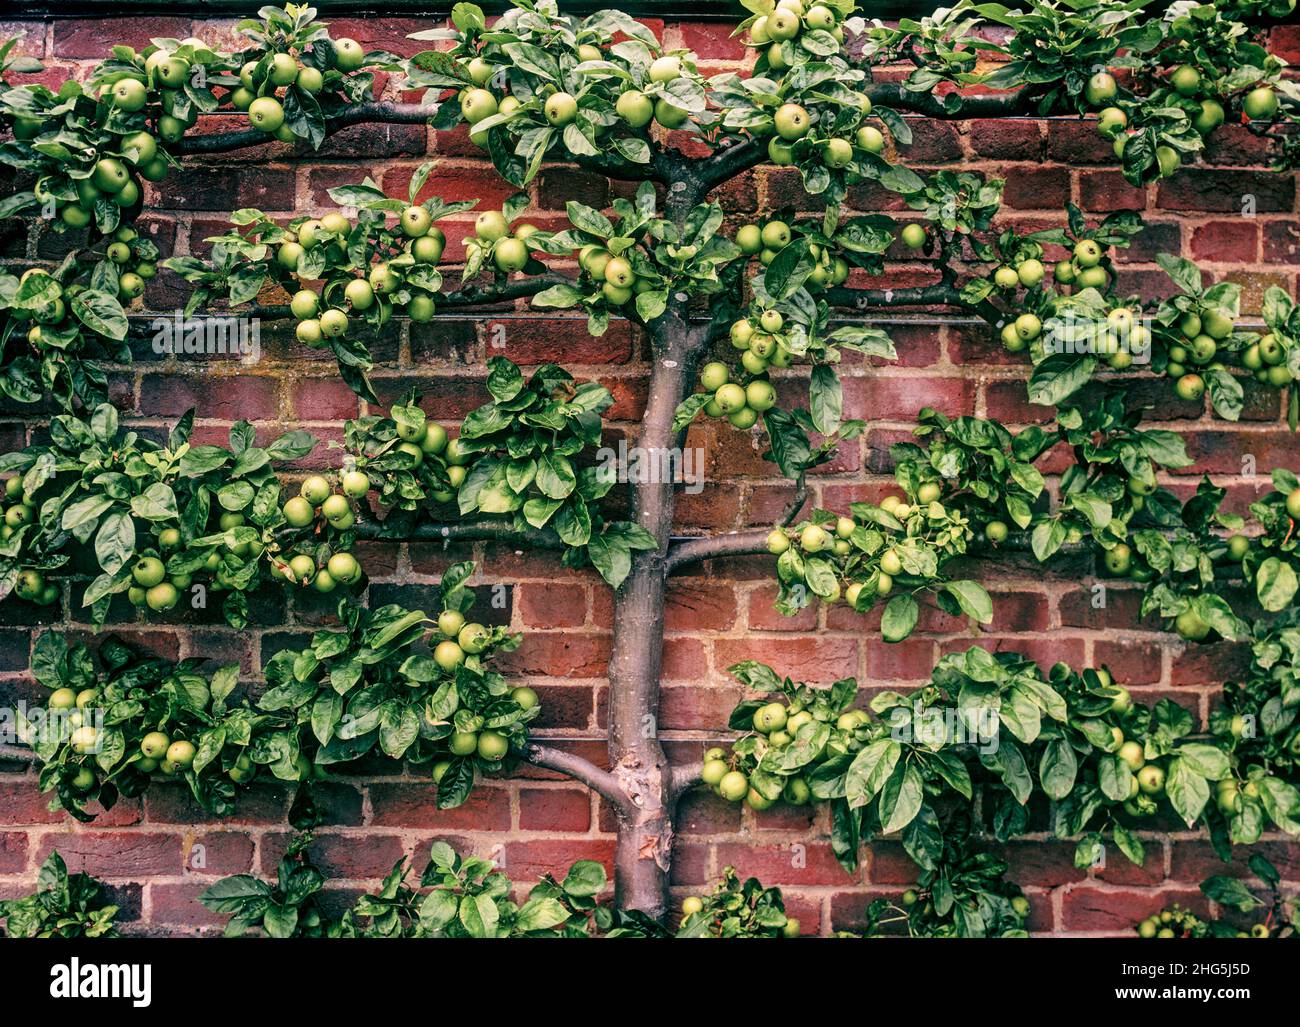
[1091, 909]
[1007, 140]
[220, 853]
[412, 805]
[552, 604]
[1233, 242]
[699, 607]
[1208, 189]
[1037, 188]
[815, 660]
[1108, 191]
[252, 399]
[177, 909]
[14, 846]
[901, 398]
[364, 856]
[559, 654]
[1078, 142]
[86, 37]
[790, 864]
[531, 860]
[115, 854]
[554, 809]
[223, 189]
[1282, 242]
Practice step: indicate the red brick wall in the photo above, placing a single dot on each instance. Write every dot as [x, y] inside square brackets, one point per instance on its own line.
[535, 822]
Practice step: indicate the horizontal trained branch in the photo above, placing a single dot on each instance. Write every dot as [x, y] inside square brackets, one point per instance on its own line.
[602, 782]
[467, 531]
[464, 298]
[661, 167]
[710, 547]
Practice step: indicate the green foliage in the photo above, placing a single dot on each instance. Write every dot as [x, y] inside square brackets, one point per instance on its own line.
[467, 897]
[538, 85]
[366, 252]
[370, 686]
[117, 722]
[63, 906]
[127, 702]
[994, 723]
[965, 895]
[210, 513]
[524, 457]
[72, 320]
[1235, 897]
[736, 909]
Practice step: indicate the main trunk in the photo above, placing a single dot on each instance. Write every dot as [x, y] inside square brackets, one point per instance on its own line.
[645, 834]
[645, 827]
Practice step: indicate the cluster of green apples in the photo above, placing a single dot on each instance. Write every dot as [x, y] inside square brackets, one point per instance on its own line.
[869, 577]
[787, 21]
[259, 81]
[775, 726]
[136, 153]
[765, 241]
[1148, 779]
[1186, 87]
[462, 643]
[159, 752]
[636, 107]
[324, 315]
[1124, 333]
[1083, 270]
[157, 580]
[1101, 92]
[158, 588]
[613, 275]
[1266, 359]
[134, 270]
[507, 246]
[739, 404]
[833, 539]
[428, 442]
[1112, 122]
[113, 178]
[1196, 347]
[151, 585]
[793, 122]
[737, 910]
[316, 497]
[1123, 561]
[31, 584]
[1176, 922]
[759, 339]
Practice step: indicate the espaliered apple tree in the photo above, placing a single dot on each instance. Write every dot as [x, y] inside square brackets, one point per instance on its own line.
[727, 309]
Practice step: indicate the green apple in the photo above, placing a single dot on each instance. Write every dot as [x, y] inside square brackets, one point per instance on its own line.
[560, 109]
[348, 54]
[415, 222]
[791, 121]
[635, 108]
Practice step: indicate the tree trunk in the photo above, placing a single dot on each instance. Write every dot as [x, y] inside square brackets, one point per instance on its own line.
[645, 828]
